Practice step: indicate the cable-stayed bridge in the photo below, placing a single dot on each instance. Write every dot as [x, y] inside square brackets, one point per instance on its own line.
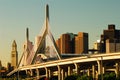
[44, 59]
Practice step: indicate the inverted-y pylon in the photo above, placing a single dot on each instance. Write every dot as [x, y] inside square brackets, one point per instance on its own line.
[28, 48]
[46, 45]
[46, 48]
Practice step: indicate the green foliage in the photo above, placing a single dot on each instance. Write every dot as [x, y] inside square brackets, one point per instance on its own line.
[77, 77]
[72, 77]
[85, 77]
[54, 78]
[108, 76]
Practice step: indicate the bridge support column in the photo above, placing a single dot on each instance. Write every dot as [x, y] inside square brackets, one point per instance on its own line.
[93, 71]
[77, 68]
[88, 72]
[31, 72]
[28, 73]
[50, 73]
[69, 70]
[104, 70]
[66, 74]
[38, 74]
[59, 73]
[100, 68]
[63, 74]
[47, 73]
[117, 69]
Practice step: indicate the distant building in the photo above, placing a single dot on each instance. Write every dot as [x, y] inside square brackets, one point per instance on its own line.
[73, 43]
[0, 64]
[2, 70]
[9, 67]
[112, 46]
[81, 43]
[66, 43]
[109, 37]
[97, 46]
[14, 55]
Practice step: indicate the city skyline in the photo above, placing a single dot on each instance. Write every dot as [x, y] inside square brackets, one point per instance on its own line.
[65, 16]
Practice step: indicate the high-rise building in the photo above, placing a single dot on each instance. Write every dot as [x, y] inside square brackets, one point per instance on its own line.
[66, 43]
[73, 43]
[81, 43]
[111, 35]
[14, 55]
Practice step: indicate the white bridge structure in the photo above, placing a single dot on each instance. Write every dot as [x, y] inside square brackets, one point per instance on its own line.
[44, 59]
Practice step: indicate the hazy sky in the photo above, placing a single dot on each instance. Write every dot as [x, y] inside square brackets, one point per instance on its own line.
[91, 16]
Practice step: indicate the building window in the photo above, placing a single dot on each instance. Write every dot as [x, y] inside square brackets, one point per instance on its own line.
[13, 55]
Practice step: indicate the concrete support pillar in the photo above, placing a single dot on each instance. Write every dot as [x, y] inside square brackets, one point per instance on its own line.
[47, 73]
[66, 74]
[117, 69]
[31, 72]
[69, 70]
[88, 71]
[38, 74]
[77, 68]
[26, 72]
[104, 70]
[100, 68]
[96, 75]
[93, 71]
[59, 73]
[63, 74]
[50, 73]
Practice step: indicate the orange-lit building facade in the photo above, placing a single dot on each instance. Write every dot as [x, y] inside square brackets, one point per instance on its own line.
[72, 43]
[66, 43]
[81, 43]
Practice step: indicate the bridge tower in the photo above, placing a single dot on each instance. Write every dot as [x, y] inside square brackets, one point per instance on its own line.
[46, 45]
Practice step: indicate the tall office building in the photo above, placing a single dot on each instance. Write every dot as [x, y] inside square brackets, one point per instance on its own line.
[110, 38]
[81, 43]
[66, 43]
[14, 55]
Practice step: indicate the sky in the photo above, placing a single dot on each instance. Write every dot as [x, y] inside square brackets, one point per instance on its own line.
[90, 16]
